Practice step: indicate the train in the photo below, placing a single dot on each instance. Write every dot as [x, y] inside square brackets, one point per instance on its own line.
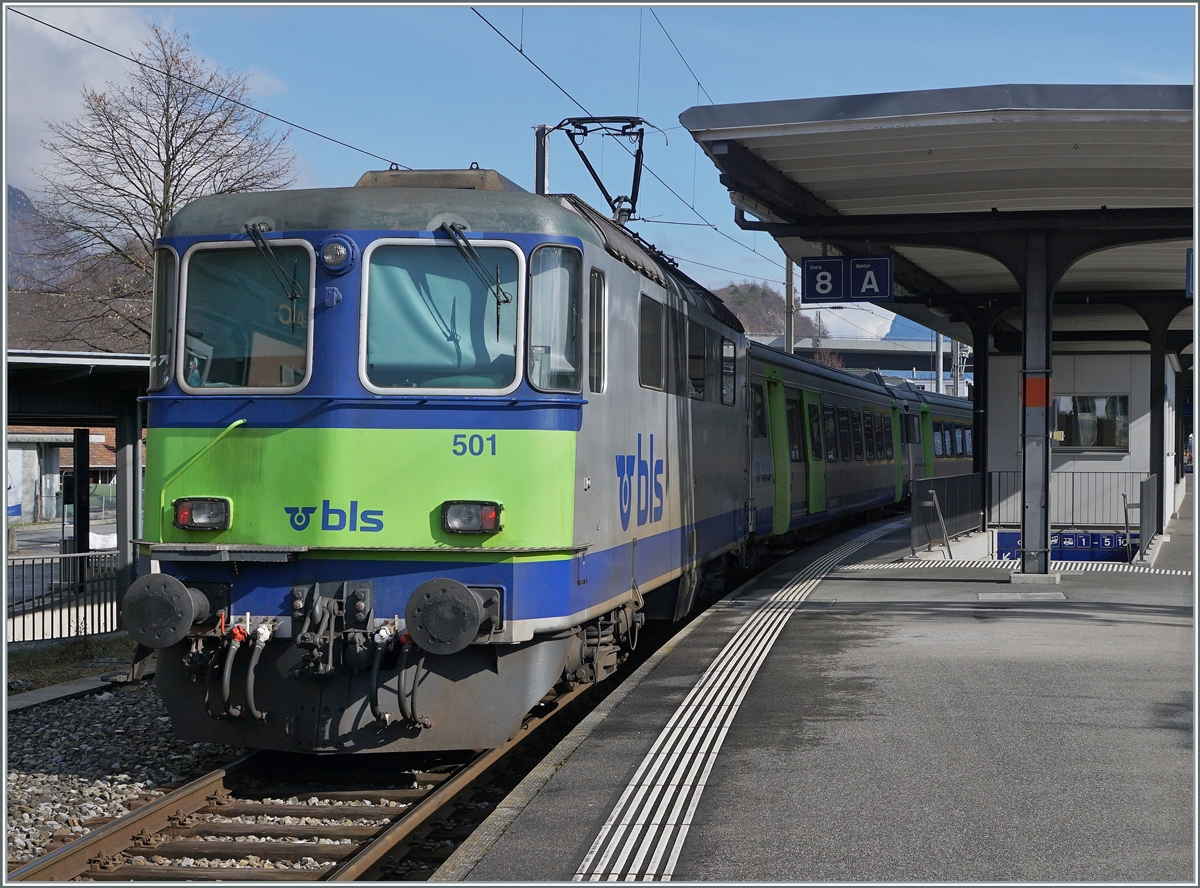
[421, 450]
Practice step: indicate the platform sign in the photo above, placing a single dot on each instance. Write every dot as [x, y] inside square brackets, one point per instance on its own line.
[824, 279]
[870, 279]
[847, 279]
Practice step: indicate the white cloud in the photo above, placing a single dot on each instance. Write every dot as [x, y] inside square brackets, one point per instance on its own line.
[856, 323]
[45, 71]
[264, 84]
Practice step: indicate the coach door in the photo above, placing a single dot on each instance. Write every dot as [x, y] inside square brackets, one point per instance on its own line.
[815, 453]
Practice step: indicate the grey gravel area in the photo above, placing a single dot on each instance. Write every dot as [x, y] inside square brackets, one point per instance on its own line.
[74, 760]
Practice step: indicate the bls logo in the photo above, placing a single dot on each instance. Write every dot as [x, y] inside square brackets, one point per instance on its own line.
[649, 485]
[367, 521]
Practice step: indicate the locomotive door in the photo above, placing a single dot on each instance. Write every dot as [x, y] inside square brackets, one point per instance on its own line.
[816, 453]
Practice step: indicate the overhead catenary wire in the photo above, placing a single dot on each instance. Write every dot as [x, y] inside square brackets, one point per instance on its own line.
[681, 58]
[625, 147]
[232, 101]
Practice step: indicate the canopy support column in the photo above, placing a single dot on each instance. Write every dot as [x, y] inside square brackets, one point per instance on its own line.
[1036, 404]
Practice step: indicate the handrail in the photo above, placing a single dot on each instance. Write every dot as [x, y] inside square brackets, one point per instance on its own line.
[162, 491]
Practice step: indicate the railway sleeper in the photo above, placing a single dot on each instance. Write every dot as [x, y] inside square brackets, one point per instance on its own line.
[148, 873]
[226, 850]
[329, 812]
[275, 830]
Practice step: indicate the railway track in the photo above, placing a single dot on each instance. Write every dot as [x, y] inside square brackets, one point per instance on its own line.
[273, 817]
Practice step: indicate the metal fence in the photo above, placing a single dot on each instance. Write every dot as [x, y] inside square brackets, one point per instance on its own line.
[1147, 514]
[60, 596]
[946, 507]
[1077, 499]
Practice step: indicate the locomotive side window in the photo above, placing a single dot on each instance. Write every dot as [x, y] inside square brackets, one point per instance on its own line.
[937, 439]
[831, 447]
[759, 406]
[162, 330]
[596, 320]
[844, 435]
[869, 432]
[795, 431]
[554, 348]
[887, 436]
[433, 322]
[728, 372]
[650, 344]
[857, 427]
[696, 332]
[814, 431]
[246, 318]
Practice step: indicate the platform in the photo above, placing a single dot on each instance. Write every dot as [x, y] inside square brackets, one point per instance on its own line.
[853, 724]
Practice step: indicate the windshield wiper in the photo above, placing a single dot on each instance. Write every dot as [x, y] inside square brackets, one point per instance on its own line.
[476, 263]
[291, 288]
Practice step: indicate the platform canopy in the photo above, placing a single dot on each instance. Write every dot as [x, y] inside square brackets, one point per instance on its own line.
[936, 178]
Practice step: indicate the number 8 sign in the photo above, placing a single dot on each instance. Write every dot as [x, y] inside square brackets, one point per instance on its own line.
[824, 280]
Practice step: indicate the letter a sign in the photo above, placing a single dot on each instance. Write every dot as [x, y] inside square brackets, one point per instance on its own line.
[871, 279]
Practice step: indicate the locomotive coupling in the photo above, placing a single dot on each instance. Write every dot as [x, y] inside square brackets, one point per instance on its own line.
[159, 610]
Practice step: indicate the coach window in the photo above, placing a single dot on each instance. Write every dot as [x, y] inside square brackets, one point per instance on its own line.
[937, 439]
[696, 360]
[554, 347]
[844, 444]
[948, 446]
[856, 425]
[869, 433]
[246, 316]
[650, 344]
[890, 450]
[728, 371]
[967, 440]
[795, 432]
[830, 419]
[814, 431]
[958, 440]
[596, 321]
[880, 441]
[758, 404]
[914, 429]
[162, 329]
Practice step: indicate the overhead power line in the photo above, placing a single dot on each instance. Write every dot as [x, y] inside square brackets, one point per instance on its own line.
[232, 101]
[681, 58]
[625, 147]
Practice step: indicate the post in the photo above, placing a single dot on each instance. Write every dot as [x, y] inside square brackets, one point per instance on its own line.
[1035, 412]
[937, 362]
[541, 166]
[128, 439]
[789, 306]
[1158, 396]
[82, 459]
[956, 355]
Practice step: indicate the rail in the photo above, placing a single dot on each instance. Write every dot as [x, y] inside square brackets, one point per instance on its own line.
[1077, 499]
[61, 596]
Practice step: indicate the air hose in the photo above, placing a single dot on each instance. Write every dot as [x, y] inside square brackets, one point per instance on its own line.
[261, 634]
[238, 635]
[383, 641]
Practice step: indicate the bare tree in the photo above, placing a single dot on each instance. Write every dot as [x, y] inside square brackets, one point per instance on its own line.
[829, 358]
[175, 130]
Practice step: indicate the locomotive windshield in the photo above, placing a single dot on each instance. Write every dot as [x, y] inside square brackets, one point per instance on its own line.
[432, 321]
[243, 326]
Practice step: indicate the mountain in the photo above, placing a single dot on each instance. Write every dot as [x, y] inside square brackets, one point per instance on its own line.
[904, 330]
[760, 308]
[35, 252]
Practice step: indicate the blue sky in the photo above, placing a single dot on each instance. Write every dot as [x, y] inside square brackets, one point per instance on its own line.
[436, 87]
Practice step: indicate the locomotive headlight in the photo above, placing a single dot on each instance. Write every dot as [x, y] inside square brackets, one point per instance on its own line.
[202, 514]
[337, 254]
[461, 517]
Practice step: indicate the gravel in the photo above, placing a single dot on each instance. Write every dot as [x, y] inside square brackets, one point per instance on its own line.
[77, 759]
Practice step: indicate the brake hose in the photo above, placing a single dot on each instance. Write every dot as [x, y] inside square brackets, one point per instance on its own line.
[383, 641]
[261, 634]
[238, 636]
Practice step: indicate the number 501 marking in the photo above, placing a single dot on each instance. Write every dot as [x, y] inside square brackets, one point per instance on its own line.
[473, 445]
